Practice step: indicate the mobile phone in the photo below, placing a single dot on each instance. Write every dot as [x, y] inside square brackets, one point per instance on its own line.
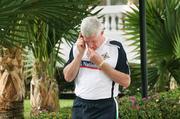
[81, 35]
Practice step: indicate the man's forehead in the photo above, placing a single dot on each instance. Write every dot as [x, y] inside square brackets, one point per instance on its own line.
[90, 37]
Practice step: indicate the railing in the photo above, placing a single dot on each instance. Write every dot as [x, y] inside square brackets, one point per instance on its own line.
[112, 16]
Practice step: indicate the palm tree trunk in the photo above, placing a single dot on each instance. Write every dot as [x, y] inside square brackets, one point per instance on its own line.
[44, 94]
[12, 84]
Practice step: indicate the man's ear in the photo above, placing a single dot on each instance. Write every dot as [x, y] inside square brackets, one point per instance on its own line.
[80, 35]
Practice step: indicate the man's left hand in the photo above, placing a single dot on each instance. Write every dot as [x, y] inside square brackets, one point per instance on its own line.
[94, 57]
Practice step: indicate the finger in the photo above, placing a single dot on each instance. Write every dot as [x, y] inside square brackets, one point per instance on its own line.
[90, 50]
[82, 43]
[87, 54]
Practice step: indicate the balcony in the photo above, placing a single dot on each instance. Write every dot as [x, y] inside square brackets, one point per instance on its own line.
[112, 16]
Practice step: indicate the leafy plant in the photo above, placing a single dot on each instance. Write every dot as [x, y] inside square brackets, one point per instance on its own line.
[158, 106]
[39, 26]
[163, 39]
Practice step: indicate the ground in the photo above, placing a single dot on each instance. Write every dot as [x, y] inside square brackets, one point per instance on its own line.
[62, 103]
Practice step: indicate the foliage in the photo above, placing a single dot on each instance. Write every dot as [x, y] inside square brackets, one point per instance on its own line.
[40, 25]
[65, 106]
[65, 113]
[163, 41]
[62, 15]
[136, 82]
[164, 105]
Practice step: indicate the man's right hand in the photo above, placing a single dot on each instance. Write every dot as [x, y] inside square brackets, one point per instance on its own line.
[71, 70]
[81, 45]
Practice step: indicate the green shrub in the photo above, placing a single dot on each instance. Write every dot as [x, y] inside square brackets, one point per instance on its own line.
[169, 104]
[65, 113]
[140, 109]
[164, 105]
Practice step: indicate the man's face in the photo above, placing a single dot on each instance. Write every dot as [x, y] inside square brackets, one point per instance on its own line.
[92, 41]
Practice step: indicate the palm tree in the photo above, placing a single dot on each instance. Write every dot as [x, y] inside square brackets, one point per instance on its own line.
[44, 89]
[11, 78]
[163, 41]
[12, 84]
[38, 24]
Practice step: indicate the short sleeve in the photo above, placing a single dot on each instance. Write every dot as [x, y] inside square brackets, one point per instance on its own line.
[122, 63]
[71, 57]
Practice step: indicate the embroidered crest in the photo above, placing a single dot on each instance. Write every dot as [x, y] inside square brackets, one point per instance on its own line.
[105, 55]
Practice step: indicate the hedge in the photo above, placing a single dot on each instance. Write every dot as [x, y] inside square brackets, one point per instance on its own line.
[164, 105]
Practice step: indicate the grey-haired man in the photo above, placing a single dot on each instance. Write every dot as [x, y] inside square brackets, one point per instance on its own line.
[98, 66]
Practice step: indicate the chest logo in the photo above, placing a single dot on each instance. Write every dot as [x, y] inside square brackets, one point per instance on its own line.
[105, 55]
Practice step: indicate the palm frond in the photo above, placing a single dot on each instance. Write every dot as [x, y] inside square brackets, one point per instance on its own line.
[177, 41]
[163, 43]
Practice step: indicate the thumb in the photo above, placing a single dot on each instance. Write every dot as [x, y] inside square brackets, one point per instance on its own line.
[90, 50]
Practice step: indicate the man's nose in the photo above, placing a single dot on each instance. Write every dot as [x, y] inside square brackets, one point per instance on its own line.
[90, 44]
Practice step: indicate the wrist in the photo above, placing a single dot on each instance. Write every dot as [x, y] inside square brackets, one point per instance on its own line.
[79, 56]
[101, 64]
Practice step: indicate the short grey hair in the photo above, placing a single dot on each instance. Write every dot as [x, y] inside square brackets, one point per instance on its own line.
[91, 26]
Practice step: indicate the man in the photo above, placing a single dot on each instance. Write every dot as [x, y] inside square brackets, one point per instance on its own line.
[98, 66]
